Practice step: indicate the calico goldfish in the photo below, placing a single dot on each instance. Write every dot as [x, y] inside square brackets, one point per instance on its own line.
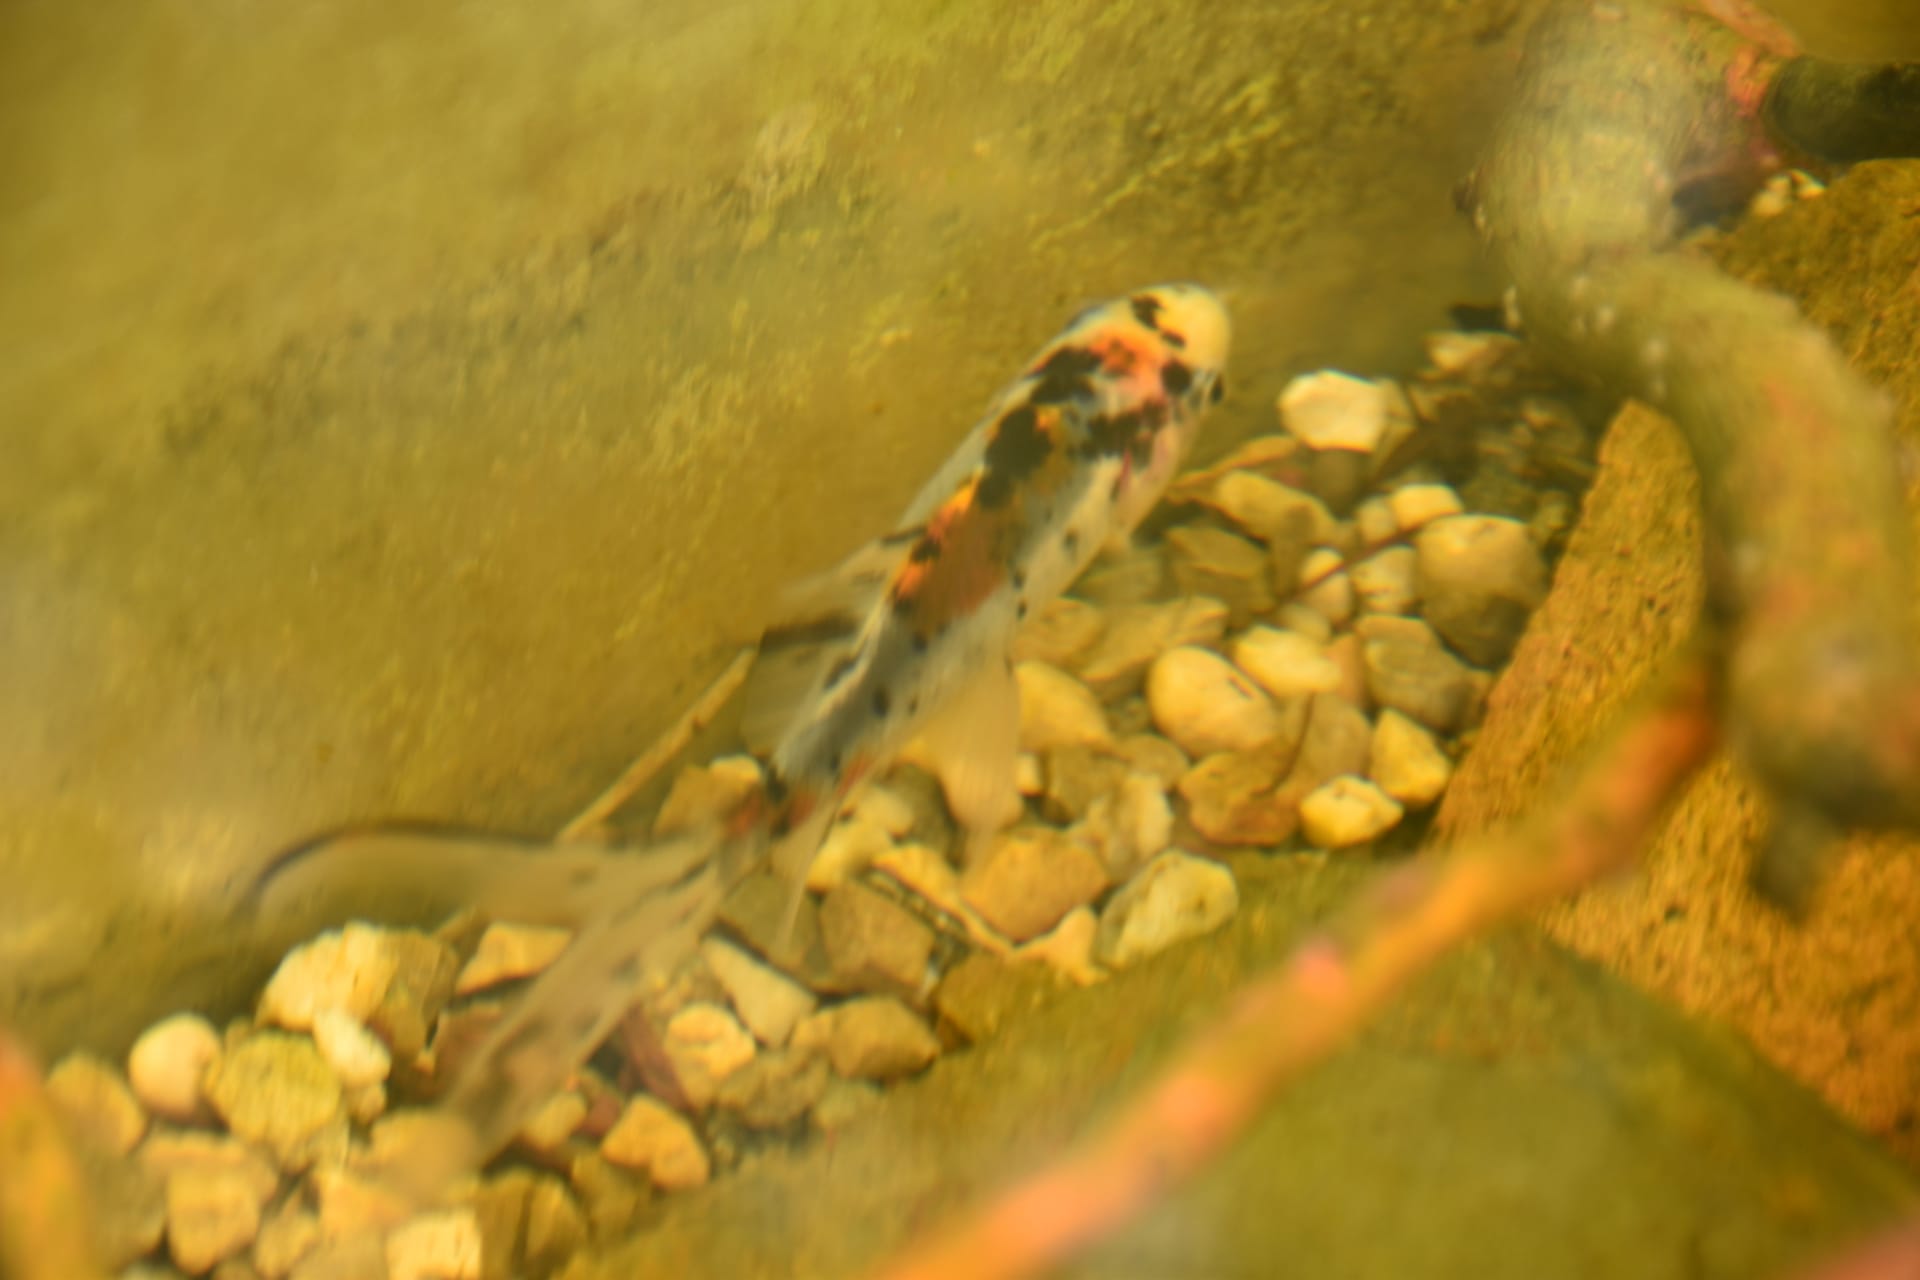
[908, 639]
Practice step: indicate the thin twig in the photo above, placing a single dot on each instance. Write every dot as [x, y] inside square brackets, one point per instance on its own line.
[1326, 989]
[664, 749]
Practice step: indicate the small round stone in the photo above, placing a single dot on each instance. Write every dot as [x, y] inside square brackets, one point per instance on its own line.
[1347, 811]
[169, 1062]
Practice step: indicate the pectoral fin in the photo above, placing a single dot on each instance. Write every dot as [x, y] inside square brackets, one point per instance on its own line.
[971, 745]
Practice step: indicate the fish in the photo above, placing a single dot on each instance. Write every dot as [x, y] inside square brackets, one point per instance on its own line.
[910, 636]
[906, 642]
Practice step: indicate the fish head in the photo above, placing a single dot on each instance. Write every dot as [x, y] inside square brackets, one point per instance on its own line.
[1191, 319]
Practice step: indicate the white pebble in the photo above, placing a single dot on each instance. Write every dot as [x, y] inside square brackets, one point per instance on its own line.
[1176, 897]
[1384, 581]
[1347, 811]
[1198, 699]
[651, 1136]
[1330, 410]
[435, 1246]
[168, 1062]
[1414, 505]
[1285, 663]
[1056, 710]
[1331, 591]
[510, 951]
[1406, 762]
[357, 1056]
[769, 1002]
[348, 969]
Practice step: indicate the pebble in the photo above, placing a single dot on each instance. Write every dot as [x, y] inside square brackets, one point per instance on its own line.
[1347, 811]
[769, 1002]
[1153, 755]
[168, 1152]
[760, 911]
[212, 1214]
[1212, 562]
[1232, 800]
[932, 877]
[1177, 896]
[276, 1090]
[1077, 778]
[1250, 457]
[93, 1098]
[1068, 948]
[1480, 578]
[852, 843]
[1325, 586]
[287, 1235]
[348, 969]
[652, 1138]
[1416, 505]
[1206, 705]
[776, 1088]
[1271, 511]
[1469, 355]
[168, 1063]
[705, 1044]
[1285, 663]
[1030, 878]
[1411, 671]
[1137, 634]
[508, 952]
[1301, 620]
[1056, 710]
[610, 1195]
[1349, 657]
[1133, 576]
[703, 793]
[355, 1054]
[1384, 582]
[872, 1038]
[1407, 763]
[1375, 523]
[1131, 824]
[1057, 635]
[555, 1228]
[1331, 410]
[558, 1118]
[435, 1246]
[874, 943]
[422, 983]
[1338, 740]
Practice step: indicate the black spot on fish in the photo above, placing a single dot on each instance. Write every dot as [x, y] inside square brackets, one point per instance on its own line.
[1176, 378]
[1018, 579]
[1017, 448]
[882, 704]
[1174, 340]
[1110, 437]
[924, 550]
[629, 971]
[919, 642]
[1020, 607]
[1064, 376]
[833, 763]
[1146, 309]
[776, 787]
[1071, 542]
[1219, 391]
